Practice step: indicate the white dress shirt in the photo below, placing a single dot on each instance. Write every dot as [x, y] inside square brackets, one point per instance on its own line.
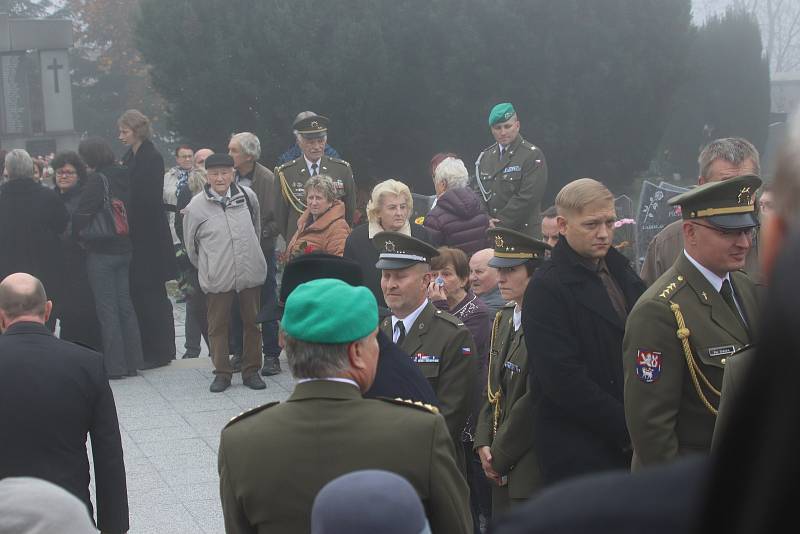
[408, 322]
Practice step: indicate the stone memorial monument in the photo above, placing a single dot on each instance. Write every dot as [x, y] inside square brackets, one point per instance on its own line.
[36, 91]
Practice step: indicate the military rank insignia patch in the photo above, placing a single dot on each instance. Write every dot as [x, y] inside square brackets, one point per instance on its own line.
[648, 365]
[512, 367]
[512, 168]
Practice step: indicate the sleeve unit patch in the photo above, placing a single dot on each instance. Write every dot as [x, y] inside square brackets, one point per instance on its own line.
[648, 365]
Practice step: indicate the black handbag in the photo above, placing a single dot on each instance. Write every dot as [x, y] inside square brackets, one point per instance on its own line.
[110, 221]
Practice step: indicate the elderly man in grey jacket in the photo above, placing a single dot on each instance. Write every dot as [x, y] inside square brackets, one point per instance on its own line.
[221, 227]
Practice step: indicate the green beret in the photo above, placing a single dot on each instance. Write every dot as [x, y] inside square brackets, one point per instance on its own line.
[501, 113]
[330, 311]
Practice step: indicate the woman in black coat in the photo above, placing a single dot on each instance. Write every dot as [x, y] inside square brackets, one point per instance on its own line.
[388, 210]
[32, 218]
[77, 313]
[153, 261]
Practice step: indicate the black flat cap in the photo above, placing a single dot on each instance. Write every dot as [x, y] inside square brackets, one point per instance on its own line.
[218, 160]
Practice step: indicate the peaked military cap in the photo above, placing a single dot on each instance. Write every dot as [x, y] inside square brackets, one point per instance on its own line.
[512, 248]
[729, 204]
[310, 125]
[398, 251]
[218, 160]
[501, 113]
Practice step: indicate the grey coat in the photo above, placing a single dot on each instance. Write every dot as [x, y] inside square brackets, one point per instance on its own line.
[222, 241]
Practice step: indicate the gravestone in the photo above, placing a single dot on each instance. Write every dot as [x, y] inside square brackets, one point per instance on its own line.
[36, 89]
[654, 214]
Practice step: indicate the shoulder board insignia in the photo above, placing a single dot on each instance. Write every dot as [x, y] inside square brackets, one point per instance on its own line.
[339, 161]
[670, 288]
[488, 148]
[430, 408]
[452, 319]
[248, 413]
[287, 165]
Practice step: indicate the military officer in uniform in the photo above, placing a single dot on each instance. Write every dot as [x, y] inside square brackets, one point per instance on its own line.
[273, 460]
[682, 330]
[511, 174]
[439, 343]
[311, 131]
[504, 437]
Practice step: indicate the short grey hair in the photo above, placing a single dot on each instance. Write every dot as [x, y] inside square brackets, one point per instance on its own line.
[315, 360]
[249, 142]
[19, 164]
[786, 184]
[388, 187]
[298, 134]
[452, 171]
[734, 150]
[323, 184]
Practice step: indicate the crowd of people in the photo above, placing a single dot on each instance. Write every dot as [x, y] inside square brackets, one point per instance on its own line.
[496, 356]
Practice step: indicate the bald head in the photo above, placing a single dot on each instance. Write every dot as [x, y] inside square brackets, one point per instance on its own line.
[483, 279]
[22, 298]
[200, 157]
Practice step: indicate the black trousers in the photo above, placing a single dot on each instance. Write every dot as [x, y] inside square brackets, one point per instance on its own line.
[156, 323]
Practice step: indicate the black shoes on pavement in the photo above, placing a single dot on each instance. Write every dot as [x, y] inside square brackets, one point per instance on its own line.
[254, 382]
[272, 366]
[220, 384]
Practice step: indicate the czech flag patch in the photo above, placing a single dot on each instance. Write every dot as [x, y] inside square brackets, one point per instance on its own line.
[466, 351]
[648, 365]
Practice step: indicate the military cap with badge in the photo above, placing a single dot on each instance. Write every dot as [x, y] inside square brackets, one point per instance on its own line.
[310, 125]
[512, 248]
[398, 251]
[727, 205]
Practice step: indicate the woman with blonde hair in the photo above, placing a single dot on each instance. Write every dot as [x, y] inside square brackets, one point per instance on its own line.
[389, 208]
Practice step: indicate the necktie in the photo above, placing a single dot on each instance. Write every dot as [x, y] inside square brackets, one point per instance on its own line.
[402, 332]
[502, 150]
[313, 169]
[727, 294]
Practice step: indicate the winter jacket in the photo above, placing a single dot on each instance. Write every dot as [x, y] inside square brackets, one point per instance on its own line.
[327, 234]
[222, 240]
[459, 221]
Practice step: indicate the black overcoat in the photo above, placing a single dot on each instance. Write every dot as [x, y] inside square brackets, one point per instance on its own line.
[32, 217]
[574, 340]
[153, 260]
[52, 393]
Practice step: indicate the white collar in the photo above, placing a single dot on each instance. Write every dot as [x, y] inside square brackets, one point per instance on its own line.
[309, 163]
[374, 227]
[332, 379]
[713, 279]
[410, 319]
[517, 318]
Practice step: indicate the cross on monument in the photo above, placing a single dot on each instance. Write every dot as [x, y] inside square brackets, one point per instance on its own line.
[55, 67]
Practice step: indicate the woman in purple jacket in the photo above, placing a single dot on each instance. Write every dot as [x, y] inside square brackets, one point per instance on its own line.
[457, 219]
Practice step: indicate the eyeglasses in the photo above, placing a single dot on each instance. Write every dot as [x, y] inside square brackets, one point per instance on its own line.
[66, 173]
[731, 234]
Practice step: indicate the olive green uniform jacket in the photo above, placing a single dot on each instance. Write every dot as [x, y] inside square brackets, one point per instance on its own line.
[512, 445]
[516, 183]
[290, 191]
[443, 349]
[274, 460]
[665, 414]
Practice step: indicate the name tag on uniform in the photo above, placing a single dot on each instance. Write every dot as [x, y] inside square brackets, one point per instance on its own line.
[425, 358]
[719, 352]
[512, 168]
[512, 367]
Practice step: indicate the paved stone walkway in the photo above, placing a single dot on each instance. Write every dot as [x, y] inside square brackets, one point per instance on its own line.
[170, 425]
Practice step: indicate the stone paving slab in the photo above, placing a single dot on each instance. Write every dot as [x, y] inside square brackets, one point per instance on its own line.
[170, 425]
